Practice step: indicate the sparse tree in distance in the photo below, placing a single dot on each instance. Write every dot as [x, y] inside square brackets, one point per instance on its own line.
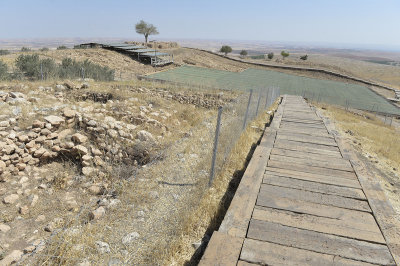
[304, 57]
[226, 49]
[4, 52]
[25, 49]
[270, 56]
[284, 54]
[146, 29]
[44, 49]
[243, 53]
[62, 47]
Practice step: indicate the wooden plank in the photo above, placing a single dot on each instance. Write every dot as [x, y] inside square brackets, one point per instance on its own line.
[266, 253]
[300, 206]
[325, 179]
[302, 125]
[320, 242]
[314, 197]
[309, 145]
[302, 115]
[311, 169]
[345, 228]
[281, 181]
[306, 131]
[295, 132]
[303, 121]
[382, 210]
[222, 249]
[297, 147]
[307, 139]
[316, 163]
[236, 220]
[310, 156]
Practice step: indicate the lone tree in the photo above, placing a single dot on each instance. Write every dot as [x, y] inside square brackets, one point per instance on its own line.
[146, 29]
[226, 49]
[243, 53]
[284, 54]
[270, 55]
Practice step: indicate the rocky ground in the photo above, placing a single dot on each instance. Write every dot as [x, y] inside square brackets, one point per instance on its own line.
[78, 159]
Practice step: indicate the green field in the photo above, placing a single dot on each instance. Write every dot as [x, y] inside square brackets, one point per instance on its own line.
[332, 92]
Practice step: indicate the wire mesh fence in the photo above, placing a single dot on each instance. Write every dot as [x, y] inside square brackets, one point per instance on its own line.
[328, 91]
[157, 196]
[232, 120]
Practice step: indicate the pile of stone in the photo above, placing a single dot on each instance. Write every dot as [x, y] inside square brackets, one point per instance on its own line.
[12, 97]
[41, 142]
[199, 99]
[55, 136]
[95, 96]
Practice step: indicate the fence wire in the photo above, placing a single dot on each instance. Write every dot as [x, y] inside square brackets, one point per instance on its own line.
[180, 178]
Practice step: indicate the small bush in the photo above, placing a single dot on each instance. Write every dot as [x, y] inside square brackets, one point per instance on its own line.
[25, 49]
[4, 52]
[44, 49]
[3, 70]
[304, 57]
[73, 69]
[28, 64]
[270, 55]
[62, 47]
[33, 67]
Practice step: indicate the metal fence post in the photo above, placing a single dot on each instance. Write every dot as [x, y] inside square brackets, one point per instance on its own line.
[266, 99]
[258, 102]
[214, 158]
[247, 110]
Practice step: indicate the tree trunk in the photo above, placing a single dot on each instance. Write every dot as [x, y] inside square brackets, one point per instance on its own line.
[145, 37]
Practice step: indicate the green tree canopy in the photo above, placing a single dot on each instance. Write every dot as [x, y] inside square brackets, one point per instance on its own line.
[284, 54]
[146, 29]
[243, 53]
[270, 55]
[226, 49]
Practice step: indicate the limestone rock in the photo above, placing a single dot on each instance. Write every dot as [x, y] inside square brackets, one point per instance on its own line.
[79, 138]
[102, 247]
[54, 120]
[129, 238]
[98, 213]
[38, 153]
[10, 199]
[143, 135]
[87, 171]
[11, 258]
[80, 149]
[68, 113]
[4, 228]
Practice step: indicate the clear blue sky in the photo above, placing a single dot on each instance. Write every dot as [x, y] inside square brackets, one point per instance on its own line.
[322, 21]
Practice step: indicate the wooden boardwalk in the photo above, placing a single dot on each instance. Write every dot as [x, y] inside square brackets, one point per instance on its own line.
[300, 202]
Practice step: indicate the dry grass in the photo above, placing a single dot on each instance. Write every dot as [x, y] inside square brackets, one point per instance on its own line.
[207, 215]
[381, 140]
